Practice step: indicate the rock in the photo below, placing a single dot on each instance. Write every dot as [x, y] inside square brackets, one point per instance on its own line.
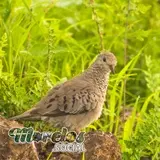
[10, 150]
[99, 146]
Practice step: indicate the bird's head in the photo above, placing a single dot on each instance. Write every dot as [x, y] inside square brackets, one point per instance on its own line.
[106, 61]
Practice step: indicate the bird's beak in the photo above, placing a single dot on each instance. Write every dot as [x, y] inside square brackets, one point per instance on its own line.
[112, 69]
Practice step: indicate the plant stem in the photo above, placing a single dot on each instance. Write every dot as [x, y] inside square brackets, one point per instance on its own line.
[98, 25]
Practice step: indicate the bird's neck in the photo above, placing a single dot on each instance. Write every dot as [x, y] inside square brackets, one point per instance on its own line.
[98, 76]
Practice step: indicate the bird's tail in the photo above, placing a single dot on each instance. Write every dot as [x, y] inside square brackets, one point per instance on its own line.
[26, 116]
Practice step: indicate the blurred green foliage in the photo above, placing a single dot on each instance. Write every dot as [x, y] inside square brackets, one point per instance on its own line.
[43, 43]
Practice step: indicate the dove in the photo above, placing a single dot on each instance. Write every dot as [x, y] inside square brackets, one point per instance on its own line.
[78, 102]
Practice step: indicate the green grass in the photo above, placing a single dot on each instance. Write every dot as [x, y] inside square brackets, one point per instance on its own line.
[43, 43]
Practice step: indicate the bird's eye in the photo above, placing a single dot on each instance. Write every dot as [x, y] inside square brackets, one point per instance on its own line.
[104, 59]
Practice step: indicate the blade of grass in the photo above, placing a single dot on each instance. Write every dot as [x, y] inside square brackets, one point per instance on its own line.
[112, 102]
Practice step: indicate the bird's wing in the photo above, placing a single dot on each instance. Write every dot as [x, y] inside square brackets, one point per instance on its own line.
[35, 112]
[71, 97]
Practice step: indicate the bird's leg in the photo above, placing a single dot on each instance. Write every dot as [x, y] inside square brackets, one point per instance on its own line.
[77, 131]
[80, 136]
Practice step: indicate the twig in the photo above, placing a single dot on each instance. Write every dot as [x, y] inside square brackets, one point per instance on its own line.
[98, 24]
[125, 54]
[51, 39]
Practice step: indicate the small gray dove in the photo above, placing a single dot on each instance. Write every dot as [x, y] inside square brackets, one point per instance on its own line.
[78, 102]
